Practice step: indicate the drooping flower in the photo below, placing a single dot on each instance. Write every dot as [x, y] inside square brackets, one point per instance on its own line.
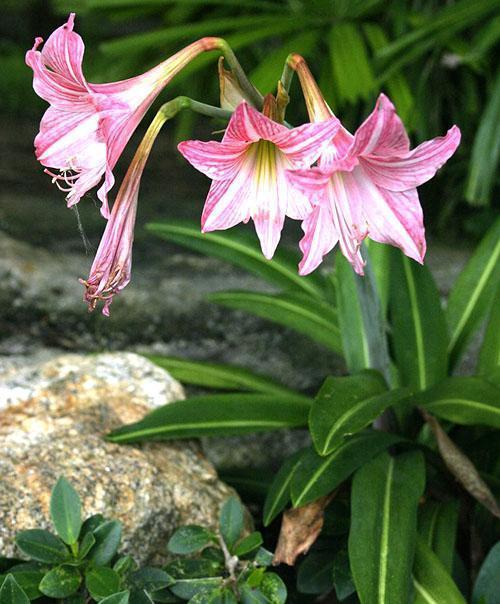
[248, 171]
[87, 126]
[110, 271]
[365, 184]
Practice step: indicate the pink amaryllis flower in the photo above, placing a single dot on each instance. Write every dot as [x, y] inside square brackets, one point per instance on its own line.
[87, 126]
[111, 269]
[248, 171]
[365, 184]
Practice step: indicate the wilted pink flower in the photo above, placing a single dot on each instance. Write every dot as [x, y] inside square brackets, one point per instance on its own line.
[110, 271]
[87, 126]
[248, 171]
[365, 185]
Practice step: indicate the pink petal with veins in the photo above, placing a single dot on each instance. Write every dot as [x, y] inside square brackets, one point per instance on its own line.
[249, 169]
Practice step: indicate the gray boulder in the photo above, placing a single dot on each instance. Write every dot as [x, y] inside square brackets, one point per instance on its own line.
[53, 415]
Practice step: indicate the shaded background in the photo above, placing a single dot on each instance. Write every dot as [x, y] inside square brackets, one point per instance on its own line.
[434, 59]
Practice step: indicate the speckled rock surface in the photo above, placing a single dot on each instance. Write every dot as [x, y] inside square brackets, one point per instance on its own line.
[53, 416]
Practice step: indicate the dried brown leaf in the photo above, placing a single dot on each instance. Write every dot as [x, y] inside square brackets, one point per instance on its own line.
[300, 528]
[462, 467]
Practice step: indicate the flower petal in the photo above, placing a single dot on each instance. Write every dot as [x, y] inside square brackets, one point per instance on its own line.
[402, 172]
[63, 53]
[218, 161]
[227, 203]
[319, 238]
[382, 132]
[304, 144]
[57, 69]
[69, 140]
[249, 125]
[392, 217]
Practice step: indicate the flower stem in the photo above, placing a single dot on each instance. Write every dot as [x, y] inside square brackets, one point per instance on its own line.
[317, 107]
[252, 92]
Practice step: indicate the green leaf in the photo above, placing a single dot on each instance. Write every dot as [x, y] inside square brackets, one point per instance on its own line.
[61, 582]
[449, 20]
[279, 492]
[102, 582]
[42, 546]
[430, 580]
[437, 526]
[6, 563]
[337, 411]
[487, 586]
[463, 400]
[231, 521]
[151, 579]
[244, 251]
[361, 319]
[352, 71]
[86, 545]
[252, 595]
[473, 292]
[248, 544]
[418, 324]
[342, 577]
[313, 318]
[315, 573]
[317, 475]
[90, 525]
[140, 596]
[263, 557]
[122, 597]
[12, 593]
[223, 414]
[397, 86]
[66, 511]
[384, 501]
[125, 565]
[218, 376]
[187, 568]
[190, 539]
[107, 540]
[485, 150]
[267, 72]
[187, 588]
[273, 588]
[489, 355]
[28, 578]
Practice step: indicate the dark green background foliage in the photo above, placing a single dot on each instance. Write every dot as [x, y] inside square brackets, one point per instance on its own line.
[435, 60]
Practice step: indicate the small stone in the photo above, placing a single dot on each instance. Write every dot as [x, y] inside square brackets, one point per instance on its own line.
[53, 418]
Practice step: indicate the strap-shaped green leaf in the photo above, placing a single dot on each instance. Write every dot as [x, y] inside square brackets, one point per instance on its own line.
[317, 475]
[449, 20]
[489, 355]
[217, 375]
[487, 586]
[485, 150]
[418, 324]
[244, 251]
[384, 501]
[432, 584]
[279, 492]
[360, 317]
[222, 414]
[264, 75]
[473, 292]
[343, 406]
[351, 69]
[463, 400]
[297, 311]
[437, 525]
